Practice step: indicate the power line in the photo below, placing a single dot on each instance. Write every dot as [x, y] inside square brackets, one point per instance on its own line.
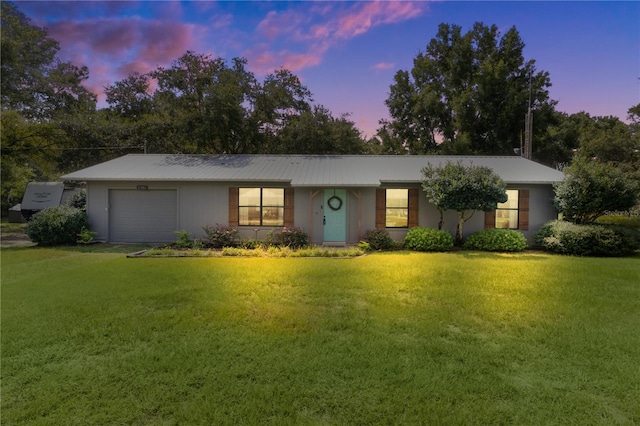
[97, 148]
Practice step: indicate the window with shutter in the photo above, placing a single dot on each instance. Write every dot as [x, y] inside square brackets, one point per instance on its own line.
[397, 208]
[512, 214]
[260, 207]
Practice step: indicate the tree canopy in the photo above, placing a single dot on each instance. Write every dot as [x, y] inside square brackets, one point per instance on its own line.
[211, 106]
[317, 131]
[592, 188]
[38, 92]
[33, 80]
[467, 93]
[465, 189]
[197, 104]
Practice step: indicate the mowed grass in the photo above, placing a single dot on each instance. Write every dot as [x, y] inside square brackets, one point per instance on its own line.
[394, 339]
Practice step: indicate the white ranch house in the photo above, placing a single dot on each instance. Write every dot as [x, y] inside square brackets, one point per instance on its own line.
[334, 198]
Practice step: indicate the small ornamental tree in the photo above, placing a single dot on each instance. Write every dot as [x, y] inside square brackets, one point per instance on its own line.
[591, 188]
[465, 189]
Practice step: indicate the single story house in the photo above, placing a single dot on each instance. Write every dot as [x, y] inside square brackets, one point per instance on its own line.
[335, 199]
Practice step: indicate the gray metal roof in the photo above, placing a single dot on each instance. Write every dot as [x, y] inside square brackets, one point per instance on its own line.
[302, 170]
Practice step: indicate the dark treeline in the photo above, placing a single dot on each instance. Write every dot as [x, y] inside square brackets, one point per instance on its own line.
[466, 94]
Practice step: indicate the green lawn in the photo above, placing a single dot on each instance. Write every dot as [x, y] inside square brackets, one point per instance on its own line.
[397, 338]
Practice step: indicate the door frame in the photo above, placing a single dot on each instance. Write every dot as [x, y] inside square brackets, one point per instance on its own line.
[334, 204]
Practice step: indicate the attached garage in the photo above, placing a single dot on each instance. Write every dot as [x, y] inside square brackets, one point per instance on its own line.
[143, 215]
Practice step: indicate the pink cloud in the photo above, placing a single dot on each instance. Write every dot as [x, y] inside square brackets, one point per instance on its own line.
[138, 66]
[364, 16]
[334, 25]
[43, 12]
[164, 41]
[122, 41]
[151, 40]
[380, 66]
[263, 61]
[113, 48]
[221, 21]
[289, 23]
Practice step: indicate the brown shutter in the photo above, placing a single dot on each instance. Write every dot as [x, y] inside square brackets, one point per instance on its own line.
[381, 208]
[414, 193]
[490, 219]
[233, 205]
[288, 207]
[523, 209]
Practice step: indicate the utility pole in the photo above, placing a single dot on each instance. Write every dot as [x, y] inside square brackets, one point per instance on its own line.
[528, 128]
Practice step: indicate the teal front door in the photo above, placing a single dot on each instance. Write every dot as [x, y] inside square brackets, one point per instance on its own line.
[335, 216]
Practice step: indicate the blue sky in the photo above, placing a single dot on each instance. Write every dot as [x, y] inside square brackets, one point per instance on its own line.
[347, 53]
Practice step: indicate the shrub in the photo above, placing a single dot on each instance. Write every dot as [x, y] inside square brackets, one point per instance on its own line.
[57, 225]
[621, 220]
[78, 200]
[365, 246]
[428, 239]
[585, 240]
[378, 239]
[183, 240]
[293, 238]
[250, 243]
[591, 188]
[496, 240]
[220, 236]
[630, 236]
[85, 236]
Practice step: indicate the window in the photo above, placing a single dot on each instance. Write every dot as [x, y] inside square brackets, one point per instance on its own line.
[397, 208]
[507, 212]
[261, 207]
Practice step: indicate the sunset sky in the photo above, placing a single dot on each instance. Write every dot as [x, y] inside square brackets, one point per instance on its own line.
[347, 53]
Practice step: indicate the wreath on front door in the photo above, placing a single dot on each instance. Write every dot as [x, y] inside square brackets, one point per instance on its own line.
[334, 203]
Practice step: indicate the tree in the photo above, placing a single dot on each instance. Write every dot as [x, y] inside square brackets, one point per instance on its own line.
[468, 93]
[27, 53]
[33, 80]
[130, 98]
[37, 92]
[609, 140]
[317, 132]
[386, 141]
[465, 189]
[591, 188]
[207, 105]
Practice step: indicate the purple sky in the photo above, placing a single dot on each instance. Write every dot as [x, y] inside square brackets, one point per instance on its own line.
[347, 53]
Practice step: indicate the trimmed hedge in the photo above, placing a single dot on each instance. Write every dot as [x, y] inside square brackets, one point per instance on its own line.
[507, 240]
[428, 239]
[379, 239]
[586, 240]
[57, 226]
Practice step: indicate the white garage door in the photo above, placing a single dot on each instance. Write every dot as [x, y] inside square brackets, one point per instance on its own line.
[142, 216]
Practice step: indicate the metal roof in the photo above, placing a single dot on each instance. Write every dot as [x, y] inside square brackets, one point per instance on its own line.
[303, 170]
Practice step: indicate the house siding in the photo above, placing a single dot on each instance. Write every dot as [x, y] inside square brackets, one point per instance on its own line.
[199, 204]
[207, 203]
